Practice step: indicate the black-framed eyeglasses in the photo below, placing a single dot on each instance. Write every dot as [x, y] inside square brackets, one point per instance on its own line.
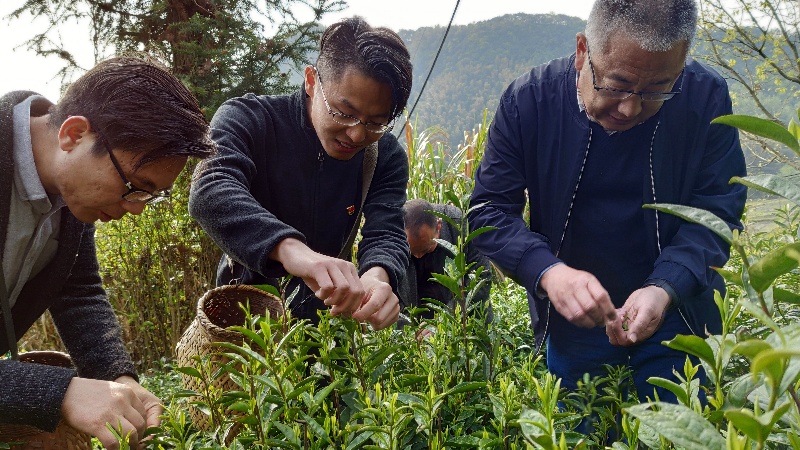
[134, 194]
[350, 121]
[620, 94]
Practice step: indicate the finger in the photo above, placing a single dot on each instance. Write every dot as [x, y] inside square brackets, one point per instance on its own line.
[154, 412]
[604, 310]
[614, 332]
[325, 280]
[386, 316]
[582, 309]
[371, 303]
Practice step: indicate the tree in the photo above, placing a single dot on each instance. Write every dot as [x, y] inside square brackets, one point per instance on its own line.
[756, 43]
[220, 48]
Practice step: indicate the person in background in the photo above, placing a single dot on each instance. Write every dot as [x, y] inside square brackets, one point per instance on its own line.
[115, 142]
[423, 228]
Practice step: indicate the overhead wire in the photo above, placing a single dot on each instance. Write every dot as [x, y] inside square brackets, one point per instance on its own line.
[430, 71]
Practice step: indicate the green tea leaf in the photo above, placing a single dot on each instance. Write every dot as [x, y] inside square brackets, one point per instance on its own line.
[679, 425]
[773, 265]
[761, 127]
[772, 184]
[693, 345]
[696, 215]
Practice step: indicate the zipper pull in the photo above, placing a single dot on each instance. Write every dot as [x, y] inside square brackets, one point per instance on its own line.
[321, 159]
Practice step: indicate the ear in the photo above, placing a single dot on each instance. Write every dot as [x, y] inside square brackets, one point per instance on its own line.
[310, 80]
[581, 51]
[72, 131]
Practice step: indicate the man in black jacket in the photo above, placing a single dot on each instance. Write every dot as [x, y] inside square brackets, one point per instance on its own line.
[116, 141]
[423, 228]
[287, 186]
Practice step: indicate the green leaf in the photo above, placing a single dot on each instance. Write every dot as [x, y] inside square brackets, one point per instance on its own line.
[447, 282]
[772, 184]
[693, 345]
[729, 276]
[696, 215]
[773, 265]
[782, 295]
[268, 288]
[671, 386]
[679, 425]
[755, 427]
[475, 233]
[751, 348]
[773, 363]
[316, 428]
[190, 371]
[761, 127]
[794, 129]
[466, 387]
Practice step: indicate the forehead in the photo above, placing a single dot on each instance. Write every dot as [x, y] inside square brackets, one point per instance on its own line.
[624, 60]
[359, 93]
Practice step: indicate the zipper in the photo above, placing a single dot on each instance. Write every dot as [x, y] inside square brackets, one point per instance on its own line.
[321, 160]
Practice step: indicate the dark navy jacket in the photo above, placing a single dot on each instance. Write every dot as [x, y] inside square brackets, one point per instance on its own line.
[537, 143]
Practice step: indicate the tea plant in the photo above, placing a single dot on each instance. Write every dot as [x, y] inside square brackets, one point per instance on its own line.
[759, 409]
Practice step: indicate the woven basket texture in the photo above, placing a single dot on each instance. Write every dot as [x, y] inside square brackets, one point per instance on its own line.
[217, 309]
[31, 438]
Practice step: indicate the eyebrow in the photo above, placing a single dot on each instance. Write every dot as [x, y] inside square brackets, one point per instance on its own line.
[624, 80]
[350, 106]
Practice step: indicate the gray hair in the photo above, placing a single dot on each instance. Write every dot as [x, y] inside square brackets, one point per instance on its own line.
[656, 25]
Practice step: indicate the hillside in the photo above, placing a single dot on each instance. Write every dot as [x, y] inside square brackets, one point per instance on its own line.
[477, 63]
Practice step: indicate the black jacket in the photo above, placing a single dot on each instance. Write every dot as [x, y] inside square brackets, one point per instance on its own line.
[271, 180]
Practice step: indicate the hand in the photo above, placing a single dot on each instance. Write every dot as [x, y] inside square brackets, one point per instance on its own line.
[424, 331]
[578, 296]
[333, 280]
[91, 404]
[640, 317]
[152, 404]
[380, 307]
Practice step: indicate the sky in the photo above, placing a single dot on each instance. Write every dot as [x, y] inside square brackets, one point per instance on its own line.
[24, 70]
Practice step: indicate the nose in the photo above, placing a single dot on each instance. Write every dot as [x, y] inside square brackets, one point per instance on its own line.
[357, 133]
[134, 208]
[631, 106]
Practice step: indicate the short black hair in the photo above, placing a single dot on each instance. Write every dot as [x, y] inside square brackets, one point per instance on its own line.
[376, 52]
[137, 105]
[418, 212]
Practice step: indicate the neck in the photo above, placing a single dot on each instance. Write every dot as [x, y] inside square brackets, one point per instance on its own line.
[44, 141]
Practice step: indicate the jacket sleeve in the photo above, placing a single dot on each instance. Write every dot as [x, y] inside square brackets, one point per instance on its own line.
[33, 393]
[221, 200]
[383, 239]
[498, 198]
[686, 260]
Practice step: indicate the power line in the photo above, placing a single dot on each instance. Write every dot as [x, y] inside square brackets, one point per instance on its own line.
[433, 64]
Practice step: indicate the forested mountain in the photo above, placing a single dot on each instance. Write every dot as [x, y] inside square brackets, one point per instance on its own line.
[477, 63]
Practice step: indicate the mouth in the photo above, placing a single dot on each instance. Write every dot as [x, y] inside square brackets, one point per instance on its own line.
[347, 148]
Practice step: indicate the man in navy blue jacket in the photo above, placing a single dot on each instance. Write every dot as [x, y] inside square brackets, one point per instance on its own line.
[625, 121]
